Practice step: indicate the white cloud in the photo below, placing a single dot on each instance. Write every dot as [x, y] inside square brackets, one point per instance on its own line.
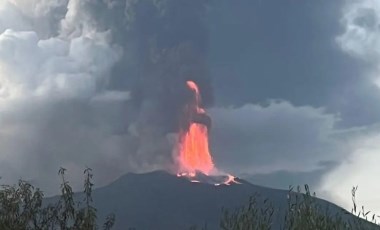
[55, 109]
[360, 168]
[360, 39]
[37, 8]
[11, 17]
[30, 66]
[279, 136]
[361, 21]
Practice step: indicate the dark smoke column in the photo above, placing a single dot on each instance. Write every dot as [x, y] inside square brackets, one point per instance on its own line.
[170, 40]
[165, 44]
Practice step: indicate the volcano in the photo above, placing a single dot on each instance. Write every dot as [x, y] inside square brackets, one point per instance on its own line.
[192, 196]
[162, 201]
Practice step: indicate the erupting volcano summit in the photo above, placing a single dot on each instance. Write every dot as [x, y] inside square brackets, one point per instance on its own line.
[194, 154]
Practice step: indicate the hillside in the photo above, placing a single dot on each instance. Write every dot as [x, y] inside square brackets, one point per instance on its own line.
[159, 200]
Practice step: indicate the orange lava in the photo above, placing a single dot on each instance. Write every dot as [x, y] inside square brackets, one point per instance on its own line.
[194, 153]
[230, 180]
[197, 101]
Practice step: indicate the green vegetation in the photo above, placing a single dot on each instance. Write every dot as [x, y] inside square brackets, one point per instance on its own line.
[22, 208]
[303, 212]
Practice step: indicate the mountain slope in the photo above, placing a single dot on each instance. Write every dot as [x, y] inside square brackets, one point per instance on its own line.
[159, 200]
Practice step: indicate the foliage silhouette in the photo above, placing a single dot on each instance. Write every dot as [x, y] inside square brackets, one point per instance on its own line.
[22, 208]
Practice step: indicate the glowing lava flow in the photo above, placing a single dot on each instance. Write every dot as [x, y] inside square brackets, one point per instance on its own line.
[230, 180]
[194, 150]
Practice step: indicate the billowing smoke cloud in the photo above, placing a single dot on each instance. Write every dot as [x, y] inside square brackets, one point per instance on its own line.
[95, 83]
[361, 40]
[361, 23]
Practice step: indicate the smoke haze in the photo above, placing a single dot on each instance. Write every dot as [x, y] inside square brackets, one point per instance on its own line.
[95, 83]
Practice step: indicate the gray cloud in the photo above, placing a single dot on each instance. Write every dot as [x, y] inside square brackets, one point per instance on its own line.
[282, 179]
[360, 40]
[279, 144]
[279, 136]
[49, 99]
[272, 50]
[96, 83]
[361, 36]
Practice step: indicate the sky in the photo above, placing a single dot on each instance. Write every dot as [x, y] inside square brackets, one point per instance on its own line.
[292, 88]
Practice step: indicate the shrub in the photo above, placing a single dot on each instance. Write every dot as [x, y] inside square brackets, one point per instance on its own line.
[303, 212]
[22, 208]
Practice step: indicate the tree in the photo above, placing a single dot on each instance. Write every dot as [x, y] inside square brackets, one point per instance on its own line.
[22, 208]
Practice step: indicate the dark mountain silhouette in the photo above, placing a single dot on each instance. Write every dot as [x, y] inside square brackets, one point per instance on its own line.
[162, 201]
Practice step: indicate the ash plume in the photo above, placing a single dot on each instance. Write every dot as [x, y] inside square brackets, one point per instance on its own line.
[165, 44]
[171, 47]
[96, 83]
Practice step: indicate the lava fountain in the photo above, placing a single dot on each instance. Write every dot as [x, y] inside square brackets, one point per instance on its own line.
[194, 153]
